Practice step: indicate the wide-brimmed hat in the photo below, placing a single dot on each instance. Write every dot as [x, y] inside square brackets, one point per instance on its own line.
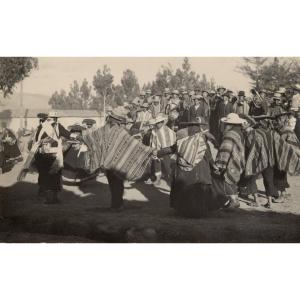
[42, 116]
[199, 97]
[142, 93]
[175, 92]
[89, 121]
[158, 119]
[53, 114]
[117, 117]
[233, 118]
[126, 104]
[76, 128]
[277, 96]
[156, 98]
[191, 93]
[166, 91]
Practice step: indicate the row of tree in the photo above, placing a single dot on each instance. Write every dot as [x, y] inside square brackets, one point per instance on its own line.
[104, 90]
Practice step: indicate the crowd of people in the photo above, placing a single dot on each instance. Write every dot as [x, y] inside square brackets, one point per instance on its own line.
[209, 146]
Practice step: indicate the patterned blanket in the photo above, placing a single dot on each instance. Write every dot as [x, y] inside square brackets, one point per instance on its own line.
[162, 138]
[231, 157]
[112, 148]
[190, 149]
[269, 148]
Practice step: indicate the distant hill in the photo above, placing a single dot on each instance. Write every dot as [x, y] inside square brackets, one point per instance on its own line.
[29, 101]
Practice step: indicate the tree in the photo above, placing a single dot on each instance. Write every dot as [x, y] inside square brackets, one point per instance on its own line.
[58, 100]
[86, 94]
[14, 70]
[130, 84]
[102, 83]
[270, 73]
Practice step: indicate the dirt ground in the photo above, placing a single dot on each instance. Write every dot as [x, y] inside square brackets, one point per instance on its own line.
[83, 216]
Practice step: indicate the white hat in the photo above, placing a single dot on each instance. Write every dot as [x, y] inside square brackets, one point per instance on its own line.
[126, 104]
[159, 118]
[297, 86]
[233, 118]
[53, 114]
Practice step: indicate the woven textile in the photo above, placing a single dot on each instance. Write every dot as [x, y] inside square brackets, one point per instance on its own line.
[190, 149]
[162, 138]
[268, 149]
[112, 148]
[231, 157]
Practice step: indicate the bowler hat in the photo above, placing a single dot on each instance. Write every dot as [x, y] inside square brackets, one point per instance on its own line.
[241, 93]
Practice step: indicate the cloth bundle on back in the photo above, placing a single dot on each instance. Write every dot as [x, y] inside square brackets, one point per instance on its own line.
[112, 148]
[162, 138]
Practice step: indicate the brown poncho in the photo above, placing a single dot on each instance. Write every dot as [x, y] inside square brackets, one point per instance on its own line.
[112, 148]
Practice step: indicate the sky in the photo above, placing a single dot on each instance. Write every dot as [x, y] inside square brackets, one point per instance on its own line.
[56, 73]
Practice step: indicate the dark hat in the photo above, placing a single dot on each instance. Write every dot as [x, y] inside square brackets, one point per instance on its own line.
[42, 116]
[241, 93]
[221, 88]
[89, 121]
[76, 128]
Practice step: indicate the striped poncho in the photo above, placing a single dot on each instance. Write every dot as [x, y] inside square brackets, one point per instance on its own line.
[162, 138]
[231, 157]
[190, 149]
[269, 148]
[112, 148]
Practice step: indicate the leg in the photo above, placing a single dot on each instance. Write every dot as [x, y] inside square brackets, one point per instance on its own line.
[271, 191]
[116, 186]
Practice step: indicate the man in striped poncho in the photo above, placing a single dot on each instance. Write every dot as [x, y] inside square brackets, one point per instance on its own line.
[161, 137]
[230, 159]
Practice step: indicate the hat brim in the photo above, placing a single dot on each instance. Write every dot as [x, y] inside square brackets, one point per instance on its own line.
[237, 122]
[192, 123]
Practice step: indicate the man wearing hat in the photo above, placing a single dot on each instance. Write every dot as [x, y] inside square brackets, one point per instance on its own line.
[199, 109]
[88, 123]
[223, 108]
[49, 157]
[155, 106]
[148, 96]
[161, 137]
[230, 159]
[144, 114]
[241, 107]
[276, 108]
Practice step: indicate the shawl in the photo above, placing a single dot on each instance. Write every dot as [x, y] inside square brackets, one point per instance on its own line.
[269, 149]
[162, 138]
[231, 157]
[190, 149]
[112, 148]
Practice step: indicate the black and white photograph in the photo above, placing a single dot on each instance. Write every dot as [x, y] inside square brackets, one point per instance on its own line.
[189, 149]
[149, 150]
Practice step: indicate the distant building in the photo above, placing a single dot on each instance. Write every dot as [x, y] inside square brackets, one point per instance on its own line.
[16, 119]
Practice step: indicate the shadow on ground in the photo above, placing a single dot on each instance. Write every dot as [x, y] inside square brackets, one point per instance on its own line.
[83, 216]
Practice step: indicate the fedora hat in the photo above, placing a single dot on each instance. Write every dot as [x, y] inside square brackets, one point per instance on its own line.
[42, 116]
[166, 91]
[233, 118]
[241, 93]
[175, 92]
[89, 121]
[221, 88]
[53, 114]
[117, 117]
[158, 119]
